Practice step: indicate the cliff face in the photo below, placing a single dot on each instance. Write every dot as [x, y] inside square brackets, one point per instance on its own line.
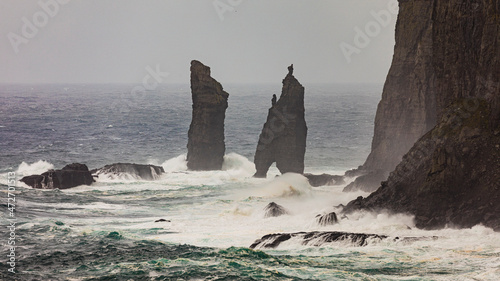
[206, 145]
[451, 176]
[444, 50]
[408, 106]
[283, 138]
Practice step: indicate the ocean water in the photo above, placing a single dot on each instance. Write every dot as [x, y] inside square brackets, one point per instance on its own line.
[107, 231]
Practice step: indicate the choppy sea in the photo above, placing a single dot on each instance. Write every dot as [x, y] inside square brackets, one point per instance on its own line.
[107, 231]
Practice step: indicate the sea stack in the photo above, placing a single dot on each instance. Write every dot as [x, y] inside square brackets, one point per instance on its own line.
[206, 145]
[283, 138]
[451, 175]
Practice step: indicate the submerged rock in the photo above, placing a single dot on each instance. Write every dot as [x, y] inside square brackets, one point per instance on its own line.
[322, 238]
[206, 145]
[162, 220]
[274, 210]
[283, 138]
[70, 176]
[327, 219]
[145, 172]
[324, 179]
[316, 238]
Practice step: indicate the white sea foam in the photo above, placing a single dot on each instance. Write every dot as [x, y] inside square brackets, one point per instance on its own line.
[238, 166]
[287, 185]
[36, 168]
[176, 164]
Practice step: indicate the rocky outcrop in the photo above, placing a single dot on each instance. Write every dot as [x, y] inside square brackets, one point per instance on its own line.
[444, 50]
[206, 145]
[327, 219]
[324, 179]
[316, 238]
[322, 238]
[450, 177]
[283, 138]
[274, 210]
[71, 175]
[139, 171]
[408, 106]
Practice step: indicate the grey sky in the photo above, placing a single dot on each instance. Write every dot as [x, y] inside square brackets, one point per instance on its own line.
[115, 40]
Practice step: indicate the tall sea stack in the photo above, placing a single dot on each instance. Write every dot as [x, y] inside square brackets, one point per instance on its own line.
[206, 145]
[283, 138]
[451, 175]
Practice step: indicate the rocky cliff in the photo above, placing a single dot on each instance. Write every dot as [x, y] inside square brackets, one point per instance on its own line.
[206, 145]
[444, 50]
[451, 176]
[407, 109]
[283, 138]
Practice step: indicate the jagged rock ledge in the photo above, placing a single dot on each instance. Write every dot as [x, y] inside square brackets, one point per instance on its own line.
[450, 177]
[320, 238]
[140, 171]
[77, 174]
[71, 175]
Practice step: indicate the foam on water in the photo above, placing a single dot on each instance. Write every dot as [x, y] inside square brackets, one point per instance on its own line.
[176, 164]
[36, 168]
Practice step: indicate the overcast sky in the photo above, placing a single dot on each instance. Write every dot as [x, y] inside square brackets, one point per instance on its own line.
[243, 41]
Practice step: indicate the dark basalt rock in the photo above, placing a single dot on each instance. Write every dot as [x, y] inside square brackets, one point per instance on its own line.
[444, 50]
[206, 145]
[451, 175]
[162, 220]
[274, 210]
[408, 106]
[324, 179]
[316, 238]
[145, 172]
[322, 238]
[283, 138]
[327, 219]
[70, 176]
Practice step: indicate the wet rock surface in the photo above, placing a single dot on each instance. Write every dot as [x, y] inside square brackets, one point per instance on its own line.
[71, 175]
[283, 138]
[145, 172]
[206, 146]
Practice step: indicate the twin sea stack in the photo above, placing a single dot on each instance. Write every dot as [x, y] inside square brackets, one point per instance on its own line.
[283, 138]
[206, 145]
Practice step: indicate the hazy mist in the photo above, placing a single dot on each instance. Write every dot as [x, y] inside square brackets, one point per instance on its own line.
[243, 41]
